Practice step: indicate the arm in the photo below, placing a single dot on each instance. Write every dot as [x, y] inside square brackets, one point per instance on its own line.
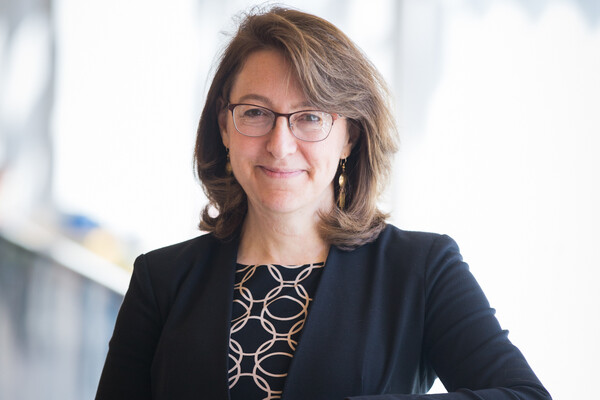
[126, 373]
[463, 340]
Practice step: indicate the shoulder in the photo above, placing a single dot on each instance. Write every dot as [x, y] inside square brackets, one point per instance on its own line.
[187, 250]
[162, 273]
[171, 264]
[431, 257]
[403, 254]
[398, 242]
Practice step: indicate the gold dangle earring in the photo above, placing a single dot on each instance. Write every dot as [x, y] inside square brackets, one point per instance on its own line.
[342, 183]
[228, 168]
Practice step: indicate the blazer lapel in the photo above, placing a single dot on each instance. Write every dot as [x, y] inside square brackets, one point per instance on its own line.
[193, 357]
[217, 300]
[332, 332]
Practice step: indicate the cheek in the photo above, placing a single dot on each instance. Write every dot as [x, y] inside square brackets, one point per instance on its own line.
[243, 150]
[326, 159]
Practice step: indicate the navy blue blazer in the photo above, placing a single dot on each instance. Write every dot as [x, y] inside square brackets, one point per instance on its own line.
[386, 319]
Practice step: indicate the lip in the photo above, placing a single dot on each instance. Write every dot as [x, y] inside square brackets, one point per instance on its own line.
[280, 172]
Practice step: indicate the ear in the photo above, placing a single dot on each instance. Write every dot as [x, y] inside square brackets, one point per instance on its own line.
[353, 133]
[222, 120]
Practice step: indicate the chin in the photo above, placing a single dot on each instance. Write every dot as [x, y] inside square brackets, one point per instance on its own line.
[280, 206]
[281, 202]
[287, 201]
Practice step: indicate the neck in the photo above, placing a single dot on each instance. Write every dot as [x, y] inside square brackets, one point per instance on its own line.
[287, 239]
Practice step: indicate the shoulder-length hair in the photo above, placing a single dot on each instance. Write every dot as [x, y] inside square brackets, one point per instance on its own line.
[335, 75]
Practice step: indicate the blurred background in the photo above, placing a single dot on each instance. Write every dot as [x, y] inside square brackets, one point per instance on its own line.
[498, 104]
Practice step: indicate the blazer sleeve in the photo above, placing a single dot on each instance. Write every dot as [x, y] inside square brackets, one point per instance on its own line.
[126, 373]
[463, 340]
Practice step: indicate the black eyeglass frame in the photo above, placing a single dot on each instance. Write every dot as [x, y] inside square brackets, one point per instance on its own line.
[334, 117]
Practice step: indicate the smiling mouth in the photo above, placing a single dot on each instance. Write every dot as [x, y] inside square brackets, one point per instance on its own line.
[280, 173]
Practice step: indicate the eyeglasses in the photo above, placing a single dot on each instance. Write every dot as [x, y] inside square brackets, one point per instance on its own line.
[307, 125]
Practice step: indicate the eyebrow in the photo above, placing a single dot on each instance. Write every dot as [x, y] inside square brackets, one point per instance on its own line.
[265, 100]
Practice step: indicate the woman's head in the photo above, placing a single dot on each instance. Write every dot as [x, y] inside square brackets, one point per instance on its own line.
[335, 77]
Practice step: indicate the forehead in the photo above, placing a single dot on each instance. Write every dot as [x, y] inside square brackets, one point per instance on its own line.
[268, 77]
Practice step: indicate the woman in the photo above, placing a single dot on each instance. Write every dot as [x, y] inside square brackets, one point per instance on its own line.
[300, 290]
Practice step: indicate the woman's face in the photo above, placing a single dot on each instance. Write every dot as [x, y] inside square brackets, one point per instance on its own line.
[278, 172]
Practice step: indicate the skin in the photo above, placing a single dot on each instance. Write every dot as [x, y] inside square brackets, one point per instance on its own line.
[287, 181]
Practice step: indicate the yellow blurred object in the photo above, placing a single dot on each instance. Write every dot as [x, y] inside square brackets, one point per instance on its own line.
[107, 246]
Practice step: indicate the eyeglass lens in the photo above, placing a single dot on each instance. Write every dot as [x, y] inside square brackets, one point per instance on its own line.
[251, 120]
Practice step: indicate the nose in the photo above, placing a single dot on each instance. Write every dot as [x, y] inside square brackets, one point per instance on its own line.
[281, 141]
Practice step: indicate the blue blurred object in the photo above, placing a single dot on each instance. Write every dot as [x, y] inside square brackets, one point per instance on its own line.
[78, 223]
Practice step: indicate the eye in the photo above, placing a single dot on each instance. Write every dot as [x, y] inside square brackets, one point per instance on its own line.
[251, 115]
[309, 118]
[254, 112]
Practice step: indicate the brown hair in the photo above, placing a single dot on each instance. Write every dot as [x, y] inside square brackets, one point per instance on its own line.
[335, 75]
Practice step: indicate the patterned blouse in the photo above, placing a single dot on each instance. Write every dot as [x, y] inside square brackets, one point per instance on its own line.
[270, 305]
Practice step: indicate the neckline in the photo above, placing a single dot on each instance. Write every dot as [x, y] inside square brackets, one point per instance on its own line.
[320, 263]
